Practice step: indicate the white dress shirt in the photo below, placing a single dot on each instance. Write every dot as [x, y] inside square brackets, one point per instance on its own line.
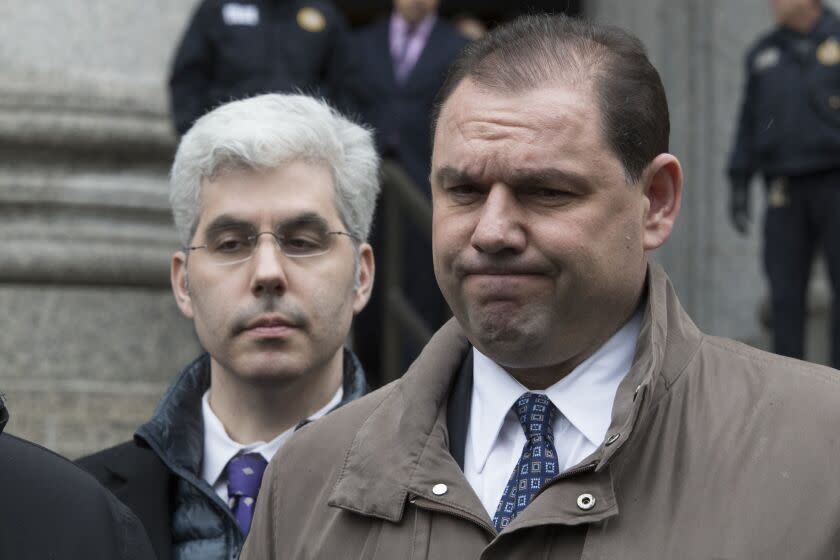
[219, 448]
[584, 397]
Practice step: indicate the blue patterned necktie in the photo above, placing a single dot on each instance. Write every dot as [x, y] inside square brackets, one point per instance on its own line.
[244, 476]
[538, 463]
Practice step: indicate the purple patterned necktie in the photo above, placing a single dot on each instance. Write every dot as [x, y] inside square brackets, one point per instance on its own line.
[244, 476]
[538, 463]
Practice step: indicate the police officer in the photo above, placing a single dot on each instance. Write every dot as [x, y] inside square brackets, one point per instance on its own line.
[789, 131]
[233, 50]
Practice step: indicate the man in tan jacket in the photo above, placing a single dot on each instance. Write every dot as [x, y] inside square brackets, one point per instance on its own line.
[571, 409]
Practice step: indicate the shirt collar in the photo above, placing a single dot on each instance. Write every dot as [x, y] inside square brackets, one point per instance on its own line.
[400, 27]
[585, 396]
[219, 448]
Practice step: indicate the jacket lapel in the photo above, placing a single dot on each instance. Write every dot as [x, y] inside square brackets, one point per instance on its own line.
[146, 487]
[402, 449]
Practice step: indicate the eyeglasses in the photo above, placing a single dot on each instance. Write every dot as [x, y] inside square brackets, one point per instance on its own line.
[237, 245]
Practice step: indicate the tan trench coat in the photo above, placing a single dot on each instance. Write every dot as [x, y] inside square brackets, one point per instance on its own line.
[715, 451]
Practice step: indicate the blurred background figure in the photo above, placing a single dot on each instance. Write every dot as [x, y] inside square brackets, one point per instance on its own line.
[470, 27]
[233, 50]
[789, 132]
[403, 61]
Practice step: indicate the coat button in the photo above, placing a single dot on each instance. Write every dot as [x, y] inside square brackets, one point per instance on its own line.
[439, 489]
[613, 438]
[586, 502]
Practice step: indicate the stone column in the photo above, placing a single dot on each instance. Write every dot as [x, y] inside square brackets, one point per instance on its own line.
[90, 333]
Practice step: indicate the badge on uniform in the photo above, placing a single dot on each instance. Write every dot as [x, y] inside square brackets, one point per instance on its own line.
[765, 59]
[777, 196]
[240, 14]
[311, 19]
[828, 53]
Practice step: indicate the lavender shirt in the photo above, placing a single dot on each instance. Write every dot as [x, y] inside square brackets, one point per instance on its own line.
[407, 43]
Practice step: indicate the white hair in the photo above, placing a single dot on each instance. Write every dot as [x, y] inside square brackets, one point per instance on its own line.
[265, 132]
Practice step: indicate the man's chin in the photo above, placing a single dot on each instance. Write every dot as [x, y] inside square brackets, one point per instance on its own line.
[270, 367]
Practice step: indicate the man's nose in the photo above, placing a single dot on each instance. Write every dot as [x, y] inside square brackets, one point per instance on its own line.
[499, 227]
[268, 267]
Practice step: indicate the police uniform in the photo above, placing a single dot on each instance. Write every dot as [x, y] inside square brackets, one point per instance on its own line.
[789, 131]
[233, 50]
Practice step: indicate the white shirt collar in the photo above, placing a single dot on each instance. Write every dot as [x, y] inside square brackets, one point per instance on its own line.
[219, 448]
[585, 396]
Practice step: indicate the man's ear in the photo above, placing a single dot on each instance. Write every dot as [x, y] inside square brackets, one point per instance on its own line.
[364, 284]
[662, 182]
[180, 283]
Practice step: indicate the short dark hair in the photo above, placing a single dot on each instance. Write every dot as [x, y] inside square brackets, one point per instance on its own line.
[536, 50]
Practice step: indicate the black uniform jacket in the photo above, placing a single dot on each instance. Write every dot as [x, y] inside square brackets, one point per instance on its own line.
[790, 119]
[234, 50]
[51, 509]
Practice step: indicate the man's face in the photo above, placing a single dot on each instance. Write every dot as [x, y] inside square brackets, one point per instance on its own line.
[271, 317]
[784, 11]
[413, 11]
[538, 240]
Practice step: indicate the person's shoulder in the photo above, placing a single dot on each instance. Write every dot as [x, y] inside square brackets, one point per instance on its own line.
[373, 30]
[785, 383]
[767, 40]
[55, 497]
[129, 455]
[24, 464]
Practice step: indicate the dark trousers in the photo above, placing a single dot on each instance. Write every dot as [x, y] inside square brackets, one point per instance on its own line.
[803, 214]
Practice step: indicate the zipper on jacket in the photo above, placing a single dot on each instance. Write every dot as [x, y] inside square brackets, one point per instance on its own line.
[425, 503]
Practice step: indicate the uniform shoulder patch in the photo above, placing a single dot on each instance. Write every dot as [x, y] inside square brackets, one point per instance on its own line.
[766, 58]
[828, 53]
[234, 13]
[311, 19]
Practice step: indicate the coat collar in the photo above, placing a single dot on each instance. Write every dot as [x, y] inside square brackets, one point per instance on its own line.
[176, 430]
[402, 450]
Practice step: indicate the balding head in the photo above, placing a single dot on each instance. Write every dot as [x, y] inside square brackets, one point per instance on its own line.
[612, 65]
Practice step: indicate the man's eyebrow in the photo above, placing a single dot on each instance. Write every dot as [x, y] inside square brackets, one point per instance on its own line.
[546, 176]
[305, 219]
[453, 175]
[226, 222]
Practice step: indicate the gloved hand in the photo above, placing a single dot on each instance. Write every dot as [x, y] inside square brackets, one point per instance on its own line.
[739, 206]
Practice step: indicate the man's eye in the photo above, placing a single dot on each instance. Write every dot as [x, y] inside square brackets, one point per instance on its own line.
[301, 242]
[229, 245]
[463, 192]
[546, 193]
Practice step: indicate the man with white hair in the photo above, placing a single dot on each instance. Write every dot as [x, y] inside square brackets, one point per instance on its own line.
[273, 199]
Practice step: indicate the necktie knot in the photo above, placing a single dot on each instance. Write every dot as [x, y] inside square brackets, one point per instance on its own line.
[244, 477]
[536, 413]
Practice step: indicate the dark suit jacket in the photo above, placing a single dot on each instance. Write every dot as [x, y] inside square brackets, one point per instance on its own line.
[142, 482]
[401, 112]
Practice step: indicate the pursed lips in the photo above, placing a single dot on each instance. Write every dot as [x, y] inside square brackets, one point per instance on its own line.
[269, 326]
